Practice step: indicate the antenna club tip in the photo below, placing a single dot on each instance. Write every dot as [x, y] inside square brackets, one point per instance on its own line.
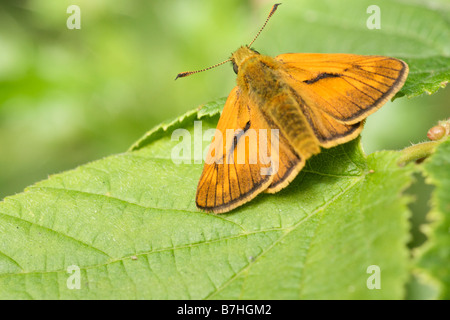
[182, 75]
[274, 8]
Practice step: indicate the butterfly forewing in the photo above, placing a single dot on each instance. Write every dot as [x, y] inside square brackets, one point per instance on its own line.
[346, 87]
[234, 168]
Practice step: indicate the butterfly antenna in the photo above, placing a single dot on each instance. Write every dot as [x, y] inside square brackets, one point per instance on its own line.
[274, 8]
[188, 73]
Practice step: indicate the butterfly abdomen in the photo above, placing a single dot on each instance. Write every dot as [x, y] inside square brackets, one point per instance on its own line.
[258, 75]
[284, 110]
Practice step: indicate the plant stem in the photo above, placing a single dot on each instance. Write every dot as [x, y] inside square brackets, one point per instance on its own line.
[418, 151]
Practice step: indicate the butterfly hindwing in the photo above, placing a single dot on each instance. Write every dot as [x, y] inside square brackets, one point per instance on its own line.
[289, 166]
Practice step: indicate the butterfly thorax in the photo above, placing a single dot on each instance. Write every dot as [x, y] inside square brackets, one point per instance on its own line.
[256, 73]
[242, 54]
[261, 82]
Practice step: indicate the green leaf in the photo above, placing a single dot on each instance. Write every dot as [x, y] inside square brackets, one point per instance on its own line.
[434, 256]
[426, 75]
[209, 109]
[130, 224]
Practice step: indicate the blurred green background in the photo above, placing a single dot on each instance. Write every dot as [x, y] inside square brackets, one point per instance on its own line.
[72, 96]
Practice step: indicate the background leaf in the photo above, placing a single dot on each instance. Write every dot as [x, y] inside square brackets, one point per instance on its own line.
[434, 255]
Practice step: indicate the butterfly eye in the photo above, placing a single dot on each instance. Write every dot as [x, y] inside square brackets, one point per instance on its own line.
[235, 67]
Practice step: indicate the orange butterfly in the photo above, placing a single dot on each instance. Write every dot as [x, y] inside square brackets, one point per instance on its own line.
[303, 102]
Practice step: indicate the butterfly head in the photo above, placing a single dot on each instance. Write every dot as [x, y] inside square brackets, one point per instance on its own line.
[240, 56]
